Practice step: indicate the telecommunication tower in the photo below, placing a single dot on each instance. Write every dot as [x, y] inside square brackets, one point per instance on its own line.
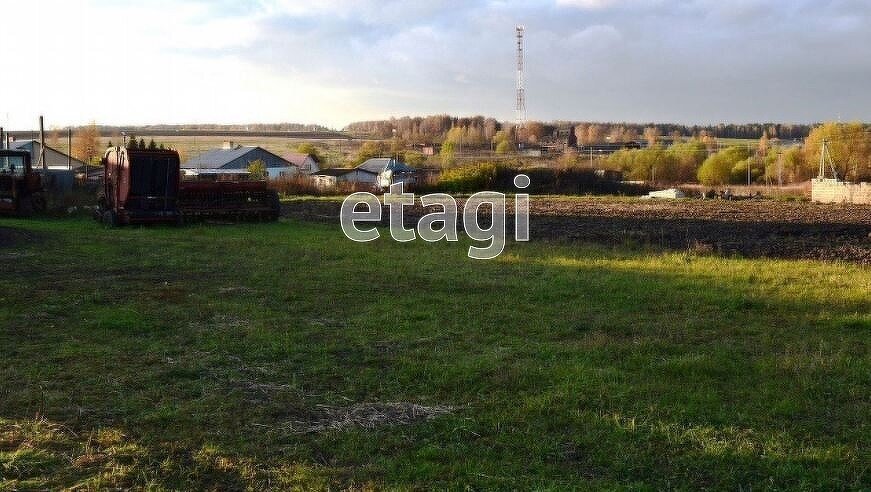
[520, 107]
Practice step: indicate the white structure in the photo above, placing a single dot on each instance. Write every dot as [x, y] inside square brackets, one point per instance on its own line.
[330, 178]
[671, 194]
[824, 190]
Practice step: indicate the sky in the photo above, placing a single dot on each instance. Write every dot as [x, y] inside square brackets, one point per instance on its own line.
[332, 62]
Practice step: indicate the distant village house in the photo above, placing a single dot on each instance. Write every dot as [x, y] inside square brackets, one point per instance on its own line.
[378, 172]
[232, 162]
[304, 162]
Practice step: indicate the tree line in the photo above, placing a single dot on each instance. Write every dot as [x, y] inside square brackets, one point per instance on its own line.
[480, 130]
[768, 161]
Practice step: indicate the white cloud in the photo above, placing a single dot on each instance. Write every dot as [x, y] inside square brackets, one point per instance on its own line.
[587, 4]
[337, 61]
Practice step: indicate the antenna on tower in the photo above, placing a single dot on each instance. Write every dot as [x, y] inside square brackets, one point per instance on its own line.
[520, 107]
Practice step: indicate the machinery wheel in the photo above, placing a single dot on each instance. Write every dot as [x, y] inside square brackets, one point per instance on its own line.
[37, 202]
[110, 218]
[25, 207]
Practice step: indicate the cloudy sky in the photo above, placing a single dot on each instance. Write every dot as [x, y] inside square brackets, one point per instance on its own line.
[337, 61]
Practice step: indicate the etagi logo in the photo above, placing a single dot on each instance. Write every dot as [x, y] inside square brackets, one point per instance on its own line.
[441, 224]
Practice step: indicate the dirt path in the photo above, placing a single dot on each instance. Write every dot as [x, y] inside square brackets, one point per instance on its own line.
[752, 228]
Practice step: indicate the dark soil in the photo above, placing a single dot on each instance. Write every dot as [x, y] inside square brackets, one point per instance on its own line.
[11, 237]
[750, 228]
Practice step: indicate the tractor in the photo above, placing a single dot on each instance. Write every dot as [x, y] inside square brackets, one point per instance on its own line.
[142, 186]
[21, 191]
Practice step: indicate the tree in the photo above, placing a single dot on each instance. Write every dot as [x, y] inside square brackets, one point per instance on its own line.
[310, 149]
[141, 143]
[86, 142]
[257, 169]
[502, 142]
[369, 150]
[717, 169]
[532, 132]
[504, 147]
[152, 145]
[413, 159]
[739, 171]
[688, 158]
[447, 153]
[568, 159]
[132, 143]
[850, 147]
[651, 134]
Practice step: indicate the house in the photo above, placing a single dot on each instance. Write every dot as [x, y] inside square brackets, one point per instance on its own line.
[306, 163]
[54, 159]
[62, 168]
[233, 160]
[389, 171]
[330, 178]
[378, 172]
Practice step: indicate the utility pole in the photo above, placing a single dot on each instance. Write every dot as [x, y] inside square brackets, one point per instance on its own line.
[824, 156]
[69, 148]
[42, 150]
[2, 139]
[748, 166]
[780, 169]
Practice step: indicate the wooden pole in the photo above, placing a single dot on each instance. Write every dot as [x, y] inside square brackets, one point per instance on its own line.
[2, 139]
[42, 149]
[69, 148]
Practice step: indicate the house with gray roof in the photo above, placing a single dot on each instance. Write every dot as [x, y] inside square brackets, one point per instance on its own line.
[389, 171]
[332, 177]
[233, 160]
[54, 159]
[378, 172]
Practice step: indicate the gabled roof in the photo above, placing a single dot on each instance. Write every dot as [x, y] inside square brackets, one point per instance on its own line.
[218, 158]
[21, 144]
[377, 165]
[32, 147]
[297, 158]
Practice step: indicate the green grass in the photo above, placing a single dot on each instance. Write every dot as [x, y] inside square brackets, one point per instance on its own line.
[197, 358]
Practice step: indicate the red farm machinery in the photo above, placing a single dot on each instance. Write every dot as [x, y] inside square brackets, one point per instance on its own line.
[145, 186]
[21, 190]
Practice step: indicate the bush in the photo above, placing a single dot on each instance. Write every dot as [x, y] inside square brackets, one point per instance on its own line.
[567, 181]
[295, 185]
[475, 177]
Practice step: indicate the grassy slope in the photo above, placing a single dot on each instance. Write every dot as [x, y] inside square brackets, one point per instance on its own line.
[182, 358]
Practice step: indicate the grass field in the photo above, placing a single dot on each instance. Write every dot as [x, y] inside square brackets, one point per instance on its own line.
[283, 355]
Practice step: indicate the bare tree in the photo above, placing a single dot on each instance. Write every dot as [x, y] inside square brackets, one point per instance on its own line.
[86, 144]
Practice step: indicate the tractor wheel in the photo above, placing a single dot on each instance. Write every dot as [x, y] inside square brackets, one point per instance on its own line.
[37, 202]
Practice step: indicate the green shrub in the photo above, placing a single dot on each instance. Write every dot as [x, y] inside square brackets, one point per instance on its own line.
[470, 178]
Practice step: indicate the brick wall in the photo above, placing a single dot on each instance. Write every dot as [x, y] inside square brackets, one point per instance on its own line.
[831, 191]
